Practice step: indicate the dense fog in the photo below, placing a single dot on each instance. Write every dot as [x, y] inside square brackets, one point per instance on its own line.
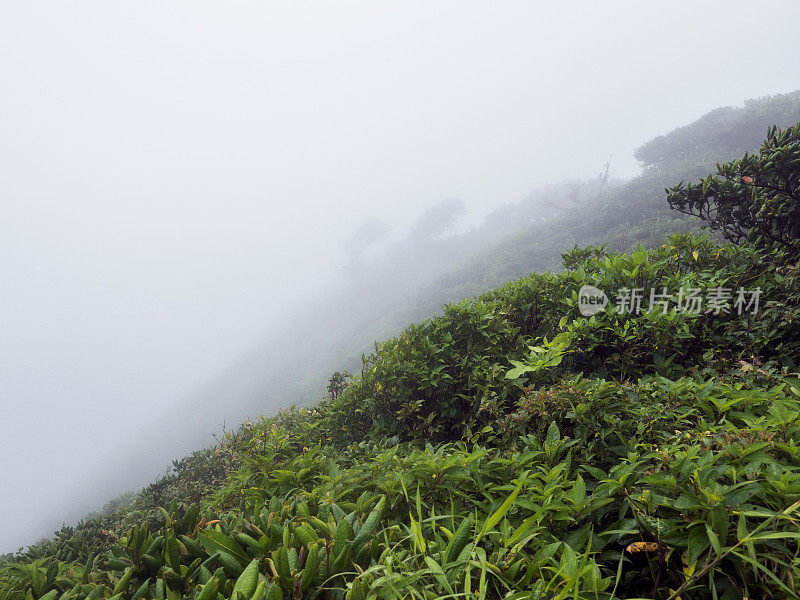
[207, 208]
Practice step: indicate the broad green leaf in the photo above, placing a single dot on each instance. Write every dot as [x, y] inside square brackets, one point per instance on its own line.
[214, 541]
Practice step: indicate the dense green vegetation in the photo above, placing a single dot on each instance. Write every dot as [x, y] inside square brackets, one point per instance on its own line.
[509, 447]
[756, 198]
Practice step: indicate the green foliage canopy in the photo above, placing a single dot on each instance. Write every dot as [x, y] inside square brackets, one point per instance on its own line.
[755, 198]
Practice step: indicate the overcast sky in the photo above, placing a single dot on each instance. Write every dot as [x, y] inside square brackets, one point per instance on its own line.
[175, 175]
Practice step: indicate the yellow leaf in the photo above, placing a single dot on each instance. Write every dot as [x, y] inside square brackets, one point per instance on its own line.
[696, 254]
[688, 569]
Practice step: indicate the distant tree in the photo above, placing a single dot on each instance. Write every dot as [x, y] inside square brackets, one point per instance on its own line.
[755, 198]
[602, 179]
[365, 235]
[574, 192]
[436, 220]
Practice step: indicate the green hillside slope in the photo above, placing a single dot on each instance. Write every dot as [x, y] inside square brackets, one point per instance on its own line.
[419, 276]
[512, 446]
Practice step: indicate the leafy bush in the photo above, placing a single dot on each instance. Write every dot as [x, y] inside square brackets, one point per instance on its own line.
[755, 198]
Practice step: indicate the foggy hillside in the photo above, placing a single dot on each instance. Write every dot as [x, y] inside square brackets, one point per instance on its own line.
[538, 440]
[206, 209]
[408, 279]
